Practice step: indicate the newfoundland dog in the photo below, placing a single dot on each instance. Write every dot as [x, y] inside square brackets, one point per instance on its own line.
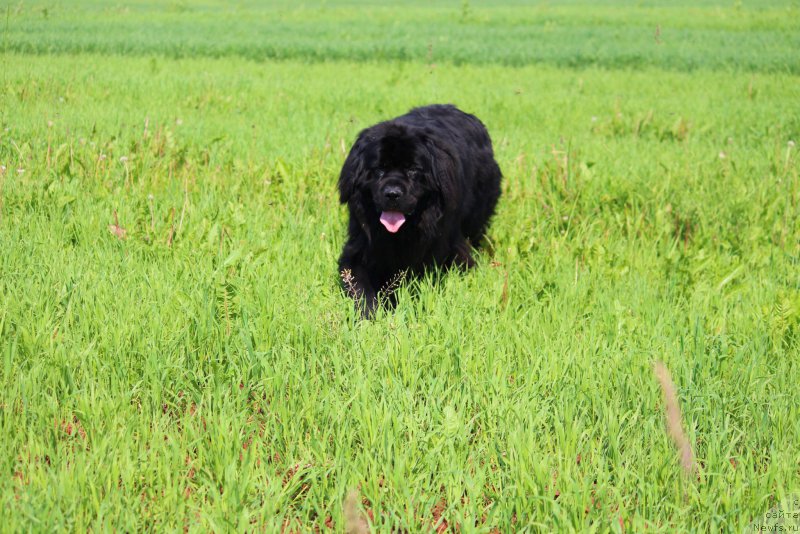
[420, 189]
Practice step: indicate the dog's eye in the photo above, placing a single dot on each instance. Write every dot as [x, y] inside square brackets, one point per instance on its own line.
[379, 173]
[411, 173]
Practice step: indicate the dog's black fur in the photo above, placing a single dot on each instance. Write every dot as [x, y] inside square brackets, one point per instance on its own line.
[436, 166]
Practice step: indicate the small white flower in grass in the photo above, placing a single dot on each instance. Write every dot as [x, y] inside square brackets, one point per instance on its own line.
[722, 155]
[123, 159]
[49, 124]
[20, 171]
[178, 121]
[101, 157]
[791, 143]
[61, 99]
[2, 169]
[594, 119]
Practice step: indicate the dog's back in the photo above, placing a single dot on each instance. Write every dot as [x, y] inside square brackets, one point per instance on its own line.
[468, 135]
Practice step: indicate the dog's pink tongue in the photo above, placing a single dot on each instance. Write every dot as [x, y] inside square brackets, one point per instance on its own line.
[392, 220]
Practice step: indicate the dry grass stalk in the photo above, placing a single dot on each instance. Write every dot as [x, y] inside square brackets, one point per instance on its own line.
[394, 282]
[116, 229]
[172, 227]
[349, 282]
[354, 521]
[504, 294]
[672, 412]
[185, 203]
[2, 179]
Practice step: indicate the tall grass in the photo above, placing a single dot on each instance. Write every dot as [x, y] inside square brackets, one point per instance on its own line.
[175, 351]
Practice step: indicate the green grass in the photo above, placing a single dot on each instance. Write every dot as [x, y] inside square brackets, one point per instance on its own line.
[206, 372]
[677, 35]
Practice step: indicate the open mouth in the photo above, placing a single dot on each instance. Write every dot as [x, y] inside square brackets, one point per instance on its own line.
[392, 220]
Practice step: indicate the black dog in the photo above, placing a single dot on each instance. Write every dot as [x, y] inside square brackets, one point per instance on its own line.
[420, 189]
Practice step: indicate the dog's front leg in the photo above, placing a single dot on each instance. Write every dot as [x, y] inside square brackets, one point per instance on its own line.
[463, 254]
[454, 252]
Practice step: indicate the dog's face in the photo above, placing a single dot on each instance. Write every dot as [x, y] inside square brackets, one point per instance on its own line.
[389, 174]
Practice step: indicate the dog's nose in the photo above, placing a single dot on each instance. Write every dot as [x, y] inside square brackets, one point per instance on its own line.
[392, 192]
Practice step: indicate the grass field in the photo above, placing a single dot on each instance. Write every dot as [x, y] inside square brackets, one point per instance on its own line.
[175, 352]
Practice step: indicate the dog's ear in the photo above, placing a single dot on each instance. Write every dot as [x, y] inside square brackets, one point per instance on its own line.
[353, 169]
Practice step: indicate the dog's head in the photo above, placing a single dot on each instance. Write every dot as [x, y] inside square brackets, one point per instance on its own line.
[392, 173]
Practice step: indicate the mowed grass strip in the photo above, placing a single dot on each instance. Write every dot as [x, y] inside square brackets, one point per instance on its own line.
[676, 35]
[201, 369]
